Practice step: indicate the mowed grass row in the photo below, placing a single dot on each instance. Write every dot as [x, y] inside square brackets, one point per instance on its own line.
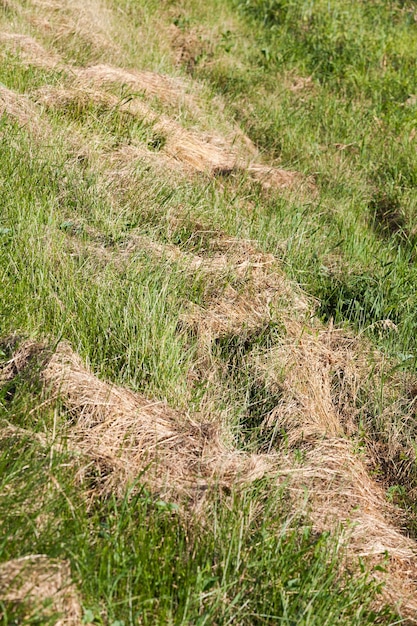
[62, 229]
[329, 89]
[134, 560]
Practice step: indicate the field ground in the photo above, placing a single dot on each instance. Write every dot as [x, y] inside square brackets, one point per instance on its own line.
[208, 288]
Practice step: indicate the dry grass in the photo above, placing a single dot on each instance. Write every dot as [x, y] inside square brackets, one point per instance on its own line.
[128, 435]
[319, 372]
[262, 293]
[187, 46]
[172, 91]
[88, 24]
[43, 587]
[61, 98]
[19, 108]
[29, 50]
[308, 366]
[206, 153]
[333, 484]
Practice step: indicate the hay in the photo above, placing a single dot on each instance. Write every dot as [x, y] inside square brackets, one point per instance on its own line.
[30, 51]
[319, 372]
[262, 293]
[128, 436]
[81, 99]
[195, 152]
[187, 46]
[43, 587]
[342, 494]
[89, 23]
[20, 109]
[303, 367]
[22, 358]
[275, 178]
[170, 90]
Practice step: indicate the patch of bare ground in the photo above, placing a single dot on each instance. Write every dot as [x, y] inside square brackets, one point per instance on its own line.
[29, 50]
[42, 587]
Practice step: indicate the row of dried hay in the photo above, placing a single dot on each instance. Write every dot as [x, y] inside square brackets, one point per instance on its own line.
[193, 151]
[197, 151]
[127, 436]
[22, 111]
[42, 588]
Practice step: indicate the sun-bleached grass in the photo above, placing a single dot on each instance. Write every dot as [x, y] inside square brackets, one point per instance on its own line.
[140, 223]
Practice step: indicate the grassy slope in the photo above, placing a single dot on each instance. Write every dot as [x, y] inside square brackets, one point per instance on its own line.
[64, 221]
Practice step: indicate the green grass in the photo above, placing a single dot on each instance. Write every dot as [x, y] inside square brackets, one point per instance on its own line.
[63, 275]
[136, 560]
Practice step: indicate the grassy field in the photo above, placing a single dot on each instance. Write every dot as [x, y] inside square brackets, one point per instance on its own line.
[207, 312]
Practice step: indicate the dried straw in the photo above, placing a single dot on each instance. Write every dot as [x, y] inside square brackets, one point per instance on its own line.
[194, 151]
[20, 109]
[30, 50]
[334, 486]
[89, 22]
[36, 580]
[170, 90]
[126, 435]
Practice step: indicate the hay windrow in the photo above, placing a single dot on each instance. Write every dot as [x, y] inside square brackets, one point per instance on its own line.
[89, 23]
[334, 486]
[20, 109]
[128, 435]
[194, 151]
[170, 90]
[28, 353]
[262, 296]
[42, 586]
[29, 50]
[302, 366]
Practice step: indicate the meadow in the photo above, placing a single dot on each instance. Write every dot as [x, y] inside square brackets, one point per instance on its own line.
[207, 312]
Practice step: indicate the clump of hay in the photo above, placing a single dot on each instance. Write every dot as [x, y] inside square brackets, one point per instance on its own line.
[275, 178]
[80, 99]
[75, 21]
[187, 46]
[304, 367]
[127, 436]
[28, 353]
[20, 109]
[170, 90]
[335, 488]
[43, 587]
[29, 50]
[261, 294]
[190, 149]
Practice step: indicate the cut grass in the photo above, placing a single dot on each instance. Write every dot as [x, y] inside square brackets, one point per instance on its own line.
[320, 90]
